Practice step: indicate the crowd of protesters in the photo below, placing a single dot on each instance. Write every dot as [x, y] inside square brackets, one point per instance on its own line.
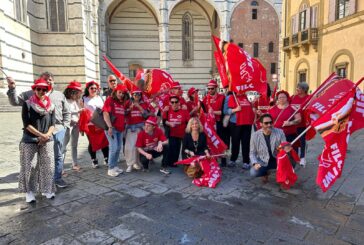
[141, 131]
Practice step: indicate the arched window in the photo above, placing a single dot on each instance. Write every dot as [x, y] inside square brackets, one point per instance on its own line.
[20, 10]
[57, 15]
[254, 3]
[187, 37]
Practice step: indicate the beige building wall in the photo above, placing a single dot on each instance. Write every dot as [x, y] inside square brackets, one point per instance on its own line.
[339, 43]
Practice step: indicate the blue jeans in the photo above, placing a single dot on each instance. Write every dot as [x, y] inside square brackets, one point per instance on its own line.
[58, 153]
[263, 170]
[115, 146]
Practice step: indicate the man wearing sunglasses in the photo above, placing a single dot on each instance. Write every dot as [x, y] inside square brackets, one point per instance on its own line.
[62, 114]
[111, 83]
[264, 145]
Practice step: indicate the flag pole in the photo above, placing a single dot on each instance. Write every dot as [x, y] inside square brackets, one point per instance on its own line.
[3, 72]
[309, 127]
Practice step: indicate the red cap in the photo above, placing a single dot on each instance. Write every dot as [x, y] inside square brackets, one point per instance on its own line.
[152, 120]
[75, 85]
[41, 83]
[88, 84]
[136, 90]
[191, 91]
[212, 83]
[121, 87]
[176, 85]
[283, 92]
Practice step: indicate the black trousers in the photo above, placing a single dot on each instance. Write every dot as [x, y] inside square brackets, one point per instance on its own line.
[302, 141]
[105, 152]
[240, 135]
[155, 154]
[174, 150]
[224, 134]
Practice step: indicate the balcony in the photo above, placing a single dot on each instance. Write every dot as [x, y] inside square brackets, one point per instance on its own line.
[295, 39]
[309, 36]
[302, 39]
[286, 43]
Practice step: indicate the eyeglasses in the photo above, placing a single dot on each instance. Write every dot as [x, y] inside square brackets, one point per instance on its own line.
[210, 88]
[112, 80]
[268, 123]
[174, 101]
[137, 94]
[42, 89]
[93, 88]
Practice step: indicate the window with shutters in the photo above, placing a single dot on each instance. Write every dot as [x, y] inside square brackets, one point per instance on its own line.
[57, 15]
[302, 76]
[302, 19]
[270, 47]
[20, 10]
[187, 37]
[256, 49]
[341, 69]
[254, 14]
[294, 24]
[342, 9]
[314, 16]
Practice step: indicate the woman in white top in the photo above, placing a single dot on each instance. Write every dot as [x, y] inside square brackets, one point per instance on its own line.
[73, 96]
[96, 136]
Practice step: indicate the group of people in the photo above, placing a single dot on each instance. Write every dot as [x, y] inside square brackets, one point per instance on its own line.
[141, 131]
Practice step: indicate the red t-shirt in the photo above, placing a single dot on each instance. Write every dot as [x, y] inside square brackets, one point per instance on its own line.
[216, 102]
[180, 118]
[135, 114]
[246, 115]
[149, 142]
[261, 104]
[117, 109]
[190, 106]
[284, 116]
[296, 102]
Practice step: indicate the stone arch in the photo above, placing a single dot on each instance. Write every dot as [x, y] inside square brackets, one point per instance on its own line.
[302, 65]
[339, 57]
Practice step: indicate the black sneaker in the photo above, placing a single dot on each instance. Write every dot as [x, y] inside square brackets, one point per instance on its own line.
[165, 171]
[61, 183]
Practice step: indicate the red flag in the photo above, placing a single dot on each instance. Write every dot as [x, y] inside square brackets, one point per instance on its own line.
[357, 114]
[157, 80]
[215, 144]
[211, 173]
[261, 80]
[285, 173]
[127, 82]
[187, 161]
[222, 70]
[334, 128]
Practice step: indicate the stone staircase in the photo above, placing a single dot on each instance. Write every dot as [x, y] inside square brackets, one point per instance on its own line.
[5, 106]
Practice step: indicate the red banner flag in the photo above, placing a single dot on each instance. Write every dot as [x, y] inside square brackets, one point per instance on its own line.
[157, 80]
[357, 114]
[285, 173]
[222, 70]
[261, 80]
[211, 173]
[215, 144]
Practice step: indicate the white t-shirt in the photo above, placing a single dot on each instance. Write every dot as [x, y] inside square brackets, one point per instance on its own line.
[92, 103]
[75, 108]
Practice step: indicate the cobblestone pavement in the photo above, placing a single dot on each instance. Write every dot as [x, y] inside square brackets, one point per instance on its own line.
[148, 208]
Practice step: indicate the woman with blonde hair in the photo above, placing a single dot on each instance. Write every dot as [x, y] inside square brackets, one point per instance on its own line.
[194, 141]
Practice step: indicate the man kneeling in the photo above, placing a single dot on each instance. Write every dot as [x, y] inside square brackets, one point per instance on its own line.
[152, 143]
[263, 148]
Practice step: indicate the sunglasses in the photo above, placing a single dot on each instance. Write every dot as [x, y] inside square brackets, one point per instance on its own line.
[137, 94]
[268, 123]
[93, 88]
[210, 88]
[42, 89]
[174, 102]
[113, 80]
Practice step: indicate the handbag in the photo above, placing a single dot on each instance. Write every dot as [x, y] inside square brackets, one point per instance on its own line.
[97, 119]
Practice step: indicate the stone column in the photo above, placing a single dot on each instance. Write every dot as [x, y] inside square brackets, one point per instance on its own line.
[225, 22]
[163, 35]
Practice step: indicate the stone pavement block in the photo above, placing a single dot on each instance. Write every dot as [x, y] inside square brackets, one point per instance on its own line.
[284, 238]
[93, 237]
[69, 208]
[67, 196]
[322, 239]
[122, 232]
[39, 233]
[136, 192]
[7, 238]
[62, 240]
[97, 190]
[356, 222]
[106, 182]
[350, 235]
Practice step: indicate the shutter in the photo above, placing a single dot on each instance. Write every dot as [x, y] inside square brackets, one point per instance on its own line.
[332, 10]
[352, 7]
[295, 23]
[308, 18]
[314, 16]
[297, 26]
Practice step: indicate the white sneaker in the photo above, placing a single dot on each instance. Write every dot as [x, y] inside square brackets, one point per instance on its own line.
[303, 162]
[112, 172]
[119, 170]
[246, 166]
[29, 197]
[49, 195]
[129, 169]
[136, 166]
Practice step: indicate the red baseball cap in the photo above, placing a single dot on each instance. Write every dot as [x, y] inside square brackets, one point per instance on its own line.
[212, 83]
[121, 87]
[41, 83]
[75, 85]
[152, 120]
[176, 85]
[88, 84]
[191, 91]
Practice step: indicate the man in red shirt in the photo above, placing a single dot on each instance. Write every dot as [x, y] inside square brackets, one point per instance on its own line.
[175, 120]
[214, 103]
[151, 143]
[176, 90]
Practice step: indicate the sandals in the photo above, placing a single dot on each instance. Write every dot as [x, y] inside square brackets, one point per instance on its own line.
[76, 168]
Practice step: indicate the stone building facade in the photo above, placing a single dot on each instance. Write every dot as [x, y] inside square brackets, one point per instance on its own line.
[321, 37]
[69, 37]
